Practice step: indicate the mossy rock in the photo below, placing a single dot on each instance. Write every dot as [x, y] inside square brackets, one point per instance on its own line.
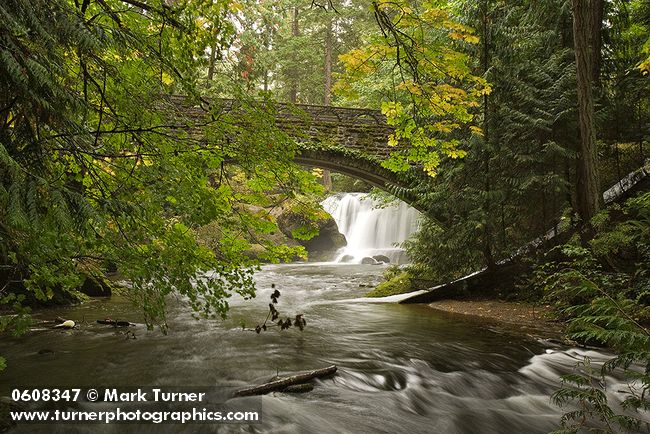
[326, 240]
[96, 286]
[400, 284]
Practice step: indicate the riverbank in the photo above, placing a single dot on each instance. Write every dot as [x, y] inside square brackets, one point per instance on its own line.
[535, 320]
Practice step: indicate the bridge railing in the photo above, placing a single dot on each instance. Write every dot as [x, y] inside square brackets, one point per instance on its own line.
[364, 130]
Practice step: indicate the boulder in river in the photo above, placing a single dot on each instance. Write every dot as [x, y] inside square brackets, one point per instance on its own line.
[347, 258]
[320, 247]
[96, 286]
[368, 261]
[382, 258]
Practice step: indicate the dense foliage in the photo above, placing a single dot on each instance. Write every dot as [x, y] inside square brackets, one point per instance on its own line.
[417, 69]
[602, 290]
[519, 178]
[98, 169]
[289, 48]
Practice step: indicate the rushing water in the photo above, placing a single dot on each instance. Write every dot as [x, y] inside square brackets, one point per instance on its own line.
[402, 368]
[370, 228]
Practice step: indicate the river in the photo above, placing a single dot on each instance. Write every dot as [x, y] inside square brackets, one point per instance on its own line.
[402, 368]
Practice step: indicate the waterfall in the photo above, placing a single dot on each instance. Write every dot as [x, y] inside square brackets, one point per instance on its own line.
[369, 228]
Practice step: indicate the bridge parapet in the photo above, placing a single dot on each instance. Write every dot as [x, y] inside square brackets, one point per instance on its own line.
[362, 130]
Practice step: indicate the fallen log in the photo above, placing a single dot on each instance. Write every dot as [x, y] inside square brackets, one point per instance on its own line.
[115, 323]
[299, 388]
[278, 385]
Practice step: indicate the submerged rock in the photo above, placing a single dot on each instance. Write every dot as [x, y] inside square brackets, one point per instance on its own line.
[347, 258]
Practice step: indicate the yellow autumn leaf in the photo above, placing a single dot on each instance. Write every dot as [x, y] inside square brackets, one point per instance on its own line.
[411, 87]
[236, 7]
[431, 164]
[167, 79]
[434, 14]
[645, 66]
[445, 126]
[456, 153]
[476, 130]
[455, 35]
[391, 109]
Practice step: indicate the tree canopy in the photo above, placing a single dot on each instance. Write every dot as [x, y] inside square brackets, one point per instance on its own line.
[98, 168]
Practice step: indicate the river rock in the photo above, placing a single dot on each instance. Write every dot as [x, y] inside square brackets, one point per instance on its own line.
[368, 261]
[96, 286]
[321, 247]
[382, 258]
[347, 258]
[6, 406]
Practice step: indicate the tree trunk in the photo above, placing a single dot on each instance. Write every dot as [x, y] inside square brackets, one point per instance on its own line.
[585, 18]
[267, 30]
[213, 58]
[596, 25]
[327, 95]
[293, 80]
[488, 253]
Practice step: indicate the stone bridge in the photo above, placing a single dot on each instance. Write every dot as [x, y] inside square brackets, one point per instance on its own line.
[350, 141]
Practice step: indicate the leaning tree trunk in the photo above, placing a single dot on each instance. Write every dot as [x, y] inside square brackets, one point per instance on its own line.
[586, 37]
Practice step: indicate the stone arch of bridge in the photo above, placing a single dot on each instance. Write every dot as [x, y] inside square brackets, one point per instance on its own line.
[363, 168]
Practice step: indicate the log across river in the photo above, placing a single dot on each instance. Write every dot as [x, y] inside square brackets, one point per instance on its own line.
[401, 368]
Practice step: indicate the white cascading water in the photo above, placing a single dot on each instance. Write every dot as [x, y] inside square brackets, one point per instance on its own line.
[369, 229]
